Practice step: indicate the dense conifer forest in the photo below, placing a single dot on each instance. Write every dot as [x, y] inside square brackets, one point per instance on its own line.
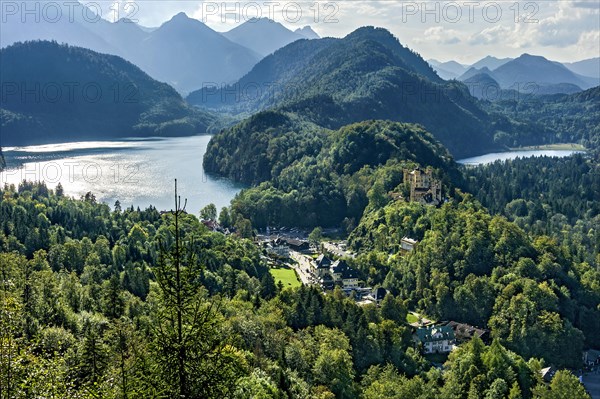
[135, 303]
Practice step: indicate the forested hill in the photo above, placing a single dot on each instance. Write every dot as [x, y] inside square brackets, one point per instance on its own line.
[558, 118]
[546, 195]
[305, 67]
[53, 92]
[366, 75]
[321, 178]
[536, 296]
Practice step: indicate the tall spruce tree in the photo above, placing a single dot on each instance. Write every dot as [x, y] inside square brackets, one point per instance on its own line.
[193, 360]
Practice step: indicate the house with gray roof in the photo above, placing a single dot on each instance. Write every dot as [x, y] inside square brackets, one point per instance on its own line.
[436, 339]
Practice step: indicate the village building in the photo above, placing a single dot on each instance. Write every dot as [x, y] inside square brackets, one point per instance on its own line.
[344, 275]
[297, 244]
[424, 188]
[436, 339]
[548, 373]
[278, 248]
[379, 294]
[375, 296]
[326, 281]
[407, 244]
[335, 273]
[337, 269]
[465, 332]
[323, 263]
[350, 279]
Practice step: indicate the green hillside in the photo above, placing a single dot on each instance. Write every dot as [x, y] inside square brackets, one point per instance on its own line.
[54, 92]
[366, 75]
[321, 178]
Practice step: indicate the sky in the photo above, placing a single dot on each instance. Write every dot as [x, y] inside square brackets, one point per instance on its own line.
[464, 31]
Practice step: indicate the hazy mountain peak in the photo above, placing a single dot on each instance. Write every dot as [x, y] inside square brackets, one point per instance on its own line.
[183, 20]
[180, 16]
[262, 35]
[526, 72]
[471, 72]
[182, 24]
[261, 20]
[589, 67]
[538, 61]
[528, 68]
[482, 85]
[530, 57]
[371, 32]
[447, 70]
[307, 32]
[491, 62]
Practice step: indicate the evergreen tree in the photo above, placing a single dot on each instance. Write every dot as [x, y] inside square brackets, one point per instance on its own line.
[192, 358]
[267, 286]
[225, 217]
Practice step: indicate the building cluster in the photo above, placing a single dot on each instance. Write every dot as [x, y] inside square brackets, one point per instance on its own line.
[281, 246]
[331, 273]
[445, 336]
[424, 188]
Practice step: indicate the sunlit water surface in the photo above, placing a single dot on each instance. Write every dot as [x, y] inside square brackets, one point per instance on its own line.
[504, 156]
[135, 172]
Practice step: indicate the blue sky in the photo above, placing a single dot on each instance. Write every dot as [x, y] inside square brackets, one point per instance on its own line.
[562, 30]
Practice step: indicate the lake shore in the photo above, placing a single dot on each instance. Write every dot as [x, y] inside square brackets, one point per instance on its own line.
[521, 153]
[556, 147]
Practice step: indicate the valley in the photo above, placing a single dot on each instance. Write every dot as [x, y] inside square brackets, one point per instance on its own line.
[191, 208]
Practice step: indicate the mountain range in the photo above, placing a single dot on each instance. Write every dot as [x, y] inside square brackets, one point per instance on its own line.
[529, 74]
[452, 69]
[264, 36]
[325, 83]
[490, 62]
[57, 93]
[527, 71]
[449, 69]
[183, 52]
[369, 74]
[187, 54]
[589, 67]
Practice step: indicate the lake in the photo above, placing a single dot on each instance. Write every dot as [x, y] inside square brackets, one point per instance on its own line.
[137, 172]
[141, 172]
[504, 156]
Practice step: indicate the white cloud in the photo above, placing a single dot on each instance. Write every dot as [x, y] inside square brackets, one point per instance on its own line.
[440, 35]
[564, 29]
[589, 42]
